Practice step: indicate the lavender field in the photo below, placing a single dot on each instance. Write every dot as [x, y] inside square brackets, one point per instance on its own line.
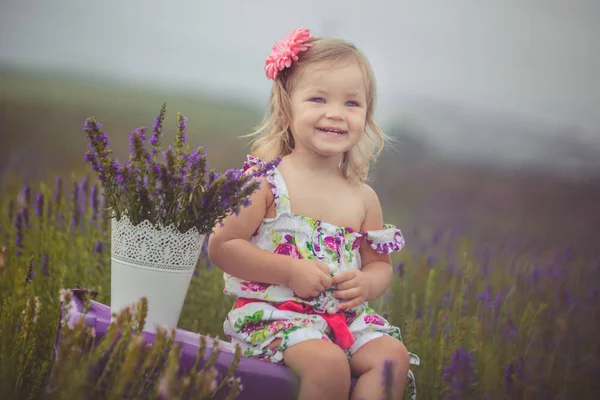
[497, 290]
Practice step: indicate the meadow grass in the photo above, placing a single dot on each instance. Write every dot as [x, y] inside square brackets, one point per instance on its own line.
[487, 322]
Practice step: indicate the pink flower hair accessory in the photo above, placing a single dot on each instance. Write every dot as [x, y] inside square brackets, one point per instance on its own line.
[286, 50]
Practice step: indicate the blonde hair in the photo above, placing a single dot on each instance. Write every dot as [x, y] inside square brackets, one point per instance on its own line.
[274, 137]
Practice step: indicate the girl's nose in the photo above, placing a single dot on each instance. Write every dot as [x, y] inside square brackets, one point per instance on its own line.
[334, 112]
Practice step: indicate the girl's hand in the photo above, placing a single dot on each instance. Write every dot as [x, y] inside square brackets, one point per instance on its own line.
[308, 278]
[351, 285]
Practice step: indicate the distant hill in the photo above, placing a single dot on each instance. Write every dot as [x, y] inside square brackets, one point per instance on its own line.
[41, 120]
[488, 138]
[41, 117]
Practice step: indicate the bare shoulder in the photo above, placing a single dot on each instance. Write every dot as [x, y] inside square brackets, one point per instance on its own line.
[264, 193]
[369, 196]
[373, 212]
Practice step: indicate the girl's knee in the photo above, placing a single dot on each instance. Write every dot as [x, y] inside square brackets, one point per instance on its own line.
[400, 352]
[319, 361]
[398, 355]
[377, 353]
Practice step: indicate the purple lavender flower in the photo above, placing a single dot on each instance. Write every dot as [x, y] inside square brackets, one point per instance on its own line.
[157, 129]
[75, 201]
[94, 203]
[511, 330]
[432, 331]
[448, 328]
[498, 300]
[84, 184]
[508, 378]
[99, 154]
[30, 272]
[485, 267]
[26, 195]
[204, 248]
[154, 141]
[121, 175]
[446, 300]
[25, 216]
[137, 151]
[534, 277]
[484, 297]
[18, 233]
[182, 126]
[91, 157]
[91, 124]
[98, 247]
[514, 373]
[45, 265]
[460, 374]
[10, 212]
[83, 197]
[56, 195]
[39, 205]
[419, 313]
[132, 138]
[156, 171]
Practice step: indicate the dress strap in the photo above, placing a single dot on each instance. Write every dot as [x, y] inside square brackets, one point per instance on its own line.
[276, 183]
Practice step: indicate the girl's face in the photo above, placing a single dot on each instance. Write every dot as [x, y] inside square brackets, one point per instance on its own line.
[328, 105]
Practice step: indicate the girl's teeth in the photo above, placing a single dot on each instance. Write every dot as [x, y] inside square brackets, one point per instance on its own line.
[329, 130]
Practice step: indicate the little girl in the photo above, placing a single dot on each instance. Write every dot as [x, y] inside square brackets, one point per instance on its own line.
[311, 250]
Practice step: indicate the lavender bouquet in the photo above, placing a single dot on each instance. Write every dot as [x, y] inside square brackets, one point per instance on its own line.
[178, 190]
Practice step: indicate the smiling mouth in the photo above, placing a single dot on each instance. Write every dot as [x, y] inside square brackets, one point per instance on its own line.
[334, 131]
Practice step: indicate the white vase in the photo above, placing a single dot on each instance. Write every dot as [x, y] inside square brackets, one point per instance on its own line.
[152, 262]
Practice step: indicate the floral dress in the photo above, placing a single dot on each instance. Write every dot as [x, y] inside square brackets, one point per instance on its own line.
[256, 320]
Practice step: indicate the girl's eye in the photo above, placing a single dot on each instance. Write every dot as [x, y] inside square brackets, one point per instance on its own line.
[353, 104]
[318, 100]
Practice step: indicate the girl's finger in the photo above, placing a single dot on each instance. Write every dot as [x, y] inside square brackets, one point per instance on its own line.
[346, 285]
[343, 277]
[346, 294]
[351, 304]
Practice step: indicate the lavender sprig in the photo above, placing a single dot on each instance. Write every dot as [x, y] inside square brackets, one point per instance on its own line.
[460, 374]
[18, 223]
[26, 195]
[39, 205]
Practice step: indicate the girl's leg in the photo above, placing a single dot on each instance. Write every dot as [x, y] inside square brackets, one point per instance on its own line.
[368, 364]
[322, 367]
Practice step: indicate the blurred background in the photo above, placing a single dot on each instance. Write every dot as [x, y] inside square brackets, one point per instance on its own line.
[494, 107]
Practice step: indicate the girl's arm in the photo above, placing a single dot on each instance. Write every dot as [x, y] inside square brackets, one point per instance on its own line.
[229, 247]
[376, 267]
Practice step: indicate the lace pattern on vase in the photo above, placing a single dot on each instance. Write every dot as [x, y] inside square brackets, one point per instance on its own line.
[162, 248]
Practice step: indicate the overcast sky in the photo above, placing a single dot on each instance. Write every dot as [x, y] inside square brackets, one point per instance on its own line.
[539, 58]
